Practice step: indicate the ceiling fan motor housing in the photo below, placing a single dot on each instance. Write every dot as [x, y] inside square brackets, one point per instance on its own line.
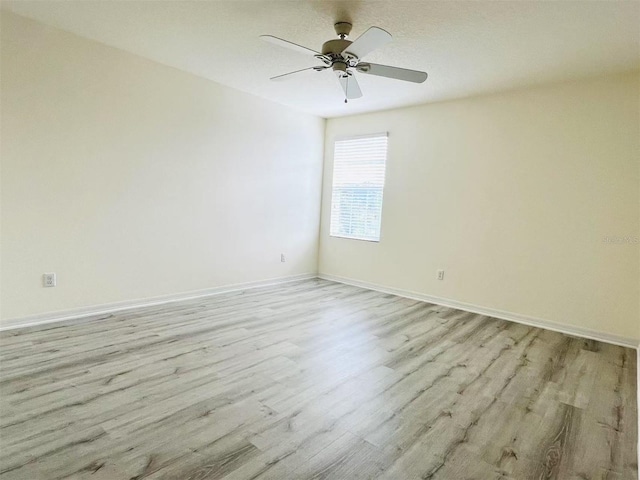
[335, 47]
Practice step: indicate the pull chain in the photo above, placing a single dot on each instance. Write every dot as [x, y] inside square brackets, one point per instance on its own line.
[346, 90]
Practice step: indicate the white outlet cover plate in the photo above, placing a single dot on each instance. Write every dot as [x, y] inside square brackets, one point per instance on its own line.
[49, 279]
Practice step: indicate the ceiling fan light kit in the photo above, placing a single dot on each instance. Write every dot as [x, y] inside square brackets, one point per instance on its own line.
[344, 57]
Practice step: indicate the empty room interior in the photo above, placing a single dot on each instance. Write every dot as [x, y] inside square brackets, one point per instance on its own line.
[290, 240]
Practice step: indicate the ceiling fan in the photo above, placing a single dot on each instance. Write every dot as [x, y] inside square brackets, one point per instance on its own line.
[344, 57]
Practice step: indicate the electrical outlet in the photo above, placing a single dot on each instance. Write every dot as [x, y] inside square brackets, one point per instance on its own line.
[282, 259]
[440, 274]
[49, 280]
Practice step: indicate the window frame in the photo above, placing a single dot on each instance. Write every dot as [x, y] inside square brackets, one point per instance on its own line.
[384, 181]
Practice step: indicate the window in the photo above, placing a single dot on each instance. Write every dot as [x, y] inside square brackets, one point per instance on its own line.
[358, 181]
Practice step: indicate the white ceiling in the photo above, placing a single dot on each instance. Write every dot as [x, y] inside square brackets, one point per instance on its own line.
[467, 48]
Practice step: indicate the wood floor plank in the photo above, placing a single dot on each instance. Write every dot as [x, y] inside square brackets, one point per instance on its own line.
[312, 380]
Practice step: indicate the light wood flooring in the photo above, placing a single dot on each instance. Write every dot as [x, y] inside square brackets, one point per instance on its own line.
[312, 380]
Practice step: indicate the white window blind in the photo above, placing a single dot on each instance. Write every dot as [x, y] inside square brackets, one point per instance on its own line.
[358, 182]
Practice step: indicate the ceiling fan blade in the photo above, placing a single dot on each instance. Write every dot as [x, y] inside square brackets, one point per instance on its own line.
[290, 45]
[367, 42]
[407, 75]
[350, 86]
[286, 75]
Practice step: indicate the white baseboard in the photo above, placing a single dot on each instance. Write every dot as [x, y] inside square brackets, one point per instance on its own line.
[491, 312]
[82, 312]
[43, 318]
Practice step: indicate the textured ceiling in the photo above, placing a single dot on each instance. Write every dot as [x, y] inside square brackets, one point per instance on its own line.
[467, 48]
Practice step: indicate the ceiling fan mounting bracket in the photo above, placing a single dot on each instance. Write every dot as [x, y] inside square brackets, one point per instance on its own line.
[343, 29]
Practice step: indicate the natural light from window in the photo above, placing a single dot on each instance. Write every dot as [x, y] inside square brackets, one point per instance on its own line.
[358, 182]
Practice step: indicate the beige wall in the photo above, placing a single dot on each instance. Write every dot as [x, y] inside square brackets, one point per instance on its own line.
[512, 195]
[132, 180]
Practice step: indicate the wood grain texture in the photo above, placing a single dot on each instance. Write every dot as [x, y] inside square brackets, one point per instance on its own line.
[312, 380]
